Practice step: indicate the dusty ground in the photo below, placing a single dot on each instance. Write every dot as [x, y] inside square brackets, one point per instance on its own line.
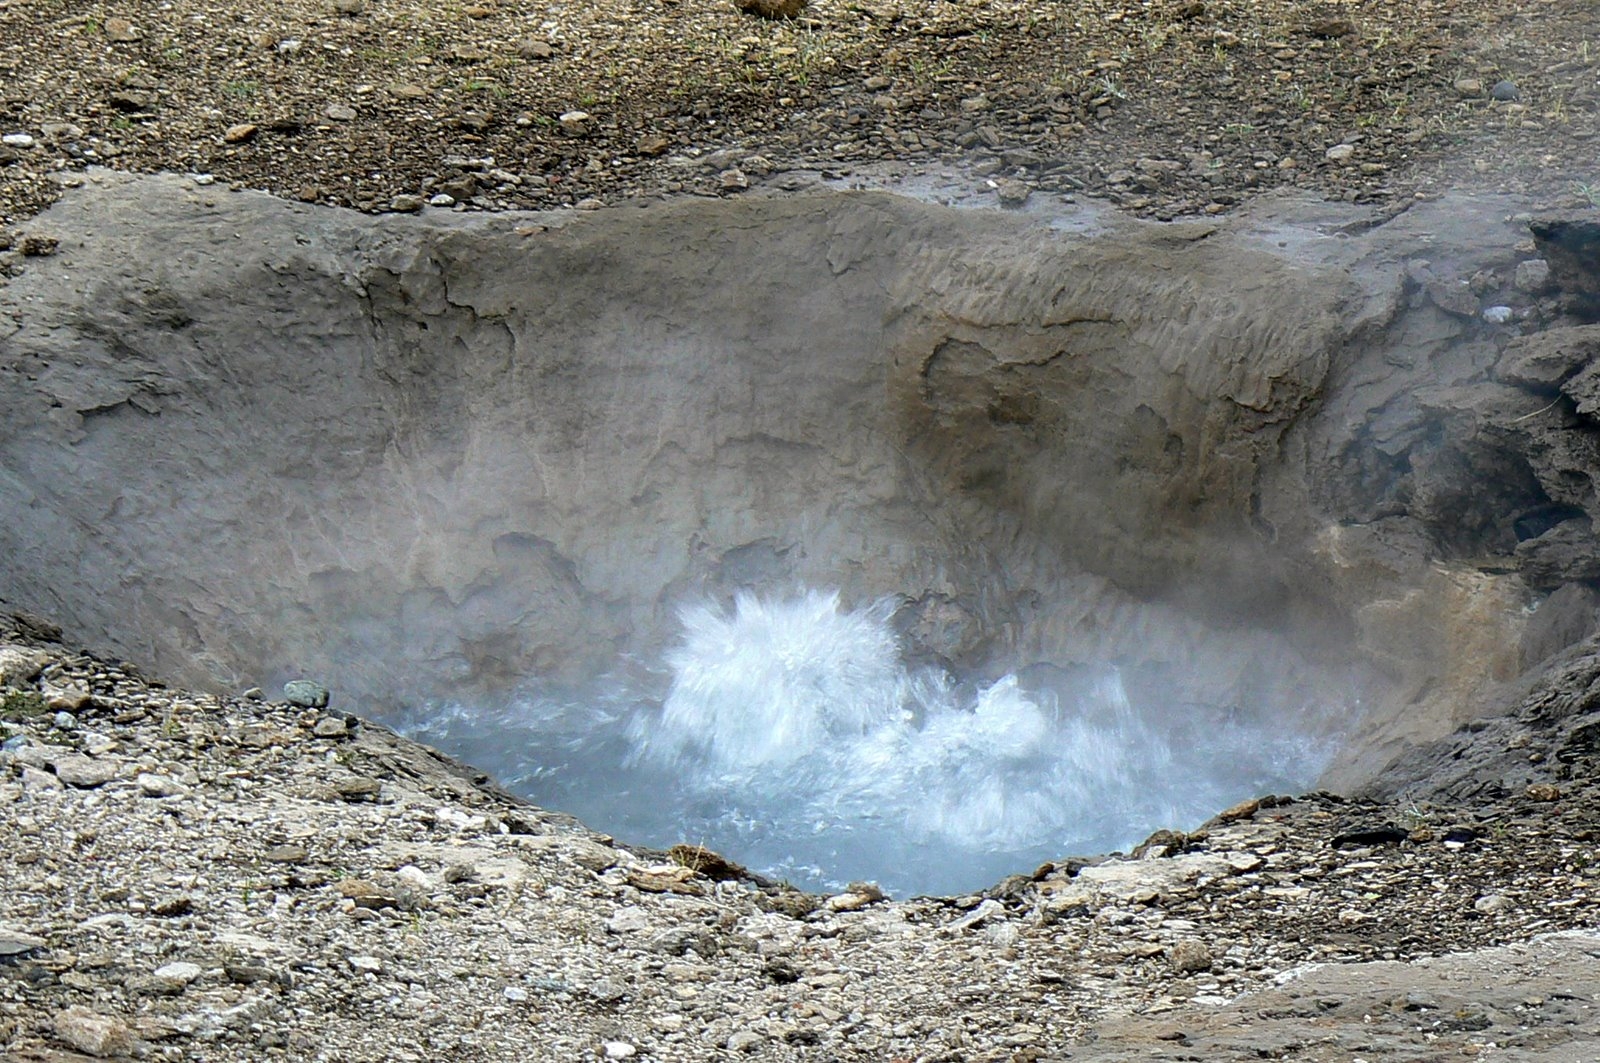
[1166, 106]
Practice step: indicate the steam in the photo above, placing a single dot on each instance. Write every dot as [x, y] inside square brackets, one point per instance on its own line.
[794, 737]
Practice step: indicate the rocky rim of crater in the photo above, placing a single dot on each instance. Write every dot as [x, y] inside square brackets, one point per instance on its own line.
[1164, 108]
[192, 876]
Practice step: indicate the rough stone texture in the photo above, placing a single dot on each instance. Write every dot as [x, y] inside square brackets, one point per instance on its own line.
[1542, 361]
[1566, 553]
[1514, 1002]
[1571, 246]
[454, 451]
[1566, 617]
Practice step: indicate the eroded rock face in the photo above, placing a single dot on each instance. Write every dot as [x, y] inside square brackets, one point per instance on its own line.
[245, 439]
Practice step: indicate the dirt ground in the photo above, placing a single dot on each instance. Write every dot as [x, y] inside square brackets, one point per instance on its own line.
[1166, 107]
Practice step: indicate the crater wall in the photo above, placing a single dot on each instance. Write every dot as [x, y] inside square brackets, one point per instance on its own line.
[244, 439]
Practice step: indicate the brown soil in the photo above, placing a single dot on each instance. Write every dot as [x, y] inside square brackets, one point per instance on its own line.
[1167, 106]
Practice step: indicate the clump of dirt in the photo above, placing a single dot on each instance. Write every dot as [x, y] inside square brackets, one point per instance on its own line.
[1167, 106]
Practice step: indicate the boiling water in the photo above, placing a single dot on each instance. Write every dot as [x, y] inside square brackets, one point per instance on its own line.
[794, 738]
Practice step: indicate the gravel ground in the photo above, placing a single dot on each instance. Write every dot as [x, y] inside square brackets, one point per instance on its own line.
[218, 878]
[1166, 107]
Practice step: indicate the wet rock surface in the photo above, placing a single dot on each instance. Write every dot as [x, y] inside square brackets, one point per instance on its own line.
[367, 898]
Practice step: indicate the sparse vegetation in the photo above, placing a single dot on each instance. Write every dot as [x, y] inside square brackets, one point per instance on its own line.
[18, 704]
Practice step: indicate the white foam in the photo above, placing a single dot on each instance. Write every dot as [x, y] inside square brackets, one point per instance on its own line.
[794, 737]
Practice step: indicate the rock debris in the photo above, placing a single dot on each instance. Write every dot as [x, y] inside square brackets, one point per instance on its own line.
[199, 877]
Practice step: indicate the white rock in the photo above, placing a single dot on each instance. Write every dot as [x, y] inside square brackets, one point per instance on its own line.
[989, 909]
[17, 140]
[181, 973]
[152, 785]
[369, 964]
[628, 920]
[414, 877]
[1339, 152]
[619, 1050]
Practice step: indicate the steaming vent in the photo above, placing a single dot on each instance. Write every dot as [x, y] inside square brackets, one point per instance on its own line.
[795, 735]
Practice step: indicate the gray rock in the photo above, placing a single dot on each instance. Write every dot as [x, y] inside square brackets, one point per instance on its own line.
[305, 693]
[83, 772]
[1505, 91]
[1571, 246]
[36, 780]
[153, 785]
[986, 910]
[1565, 553]
[1190, 956]
[628, 921]
[94, 1033]
[1583, 388]
[1012, 193]
[331, 727]
[66, 699]
[14, 944]
[1532, 276]
[744, 1041]
[1453, 297]
[1542, 360]
[1565, 618]
[19, 665]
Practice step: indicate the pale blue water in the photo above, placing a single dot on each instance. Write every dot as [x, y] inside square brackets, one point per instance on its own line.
[793, 738]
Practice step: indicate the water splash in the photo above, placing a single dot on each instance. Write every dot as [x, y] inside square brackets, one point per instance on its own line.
[794, 737]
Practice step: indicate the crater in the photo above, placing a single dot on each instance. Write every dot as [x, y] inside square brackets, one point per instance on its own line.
[854, 535]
